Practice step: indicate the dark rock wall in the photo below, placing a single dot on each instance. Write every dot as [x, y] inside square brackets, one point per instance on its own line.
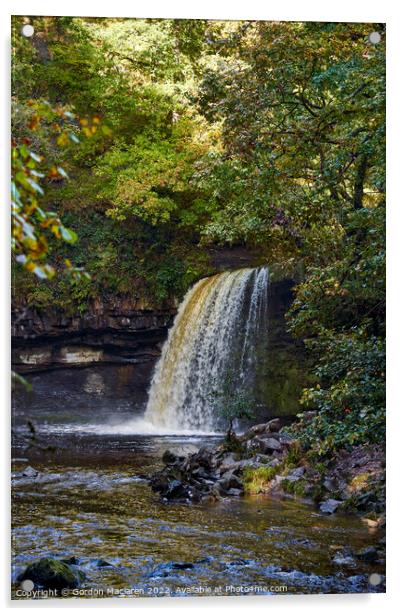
[283, 369]
[118, 331]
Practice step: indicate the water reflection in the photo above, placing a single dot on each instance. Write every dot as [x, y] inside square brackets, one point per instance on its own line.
[90, 501]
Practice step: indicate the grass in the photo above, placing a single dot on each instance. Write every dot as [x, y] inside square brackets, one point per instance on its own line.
[256, 480]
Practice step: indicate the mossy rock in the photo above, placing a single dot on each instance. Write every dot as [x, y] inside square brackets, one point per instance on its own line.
[50, 573]
[297, 488]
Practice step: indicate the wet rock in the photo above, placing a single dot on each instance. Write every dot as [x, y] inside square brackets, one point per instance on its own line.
[296, 474]
[368, 555]
[30, 472]
[228, 463]
[235, 492]
[50, 573]
[269, 445]
[103, 563]
[273, 425]
[254, 430]
[205, 457]
[171, 458]
[175, 489]
[72, 560]
[227, 481]
[329, 506]
[202, 474]
[343, 559]
[182, 566]
[269, 427]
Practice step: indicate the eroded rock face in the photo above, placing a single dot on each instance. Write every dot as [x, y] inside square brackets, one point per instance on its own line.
[118, 330]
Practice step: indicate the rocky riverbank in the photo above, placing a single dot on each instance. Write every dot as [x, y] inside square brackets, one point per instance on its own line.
[269, 459]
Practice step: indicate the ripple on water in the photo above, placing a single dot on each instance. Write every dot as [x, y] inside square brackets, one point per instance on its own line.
[105, 510]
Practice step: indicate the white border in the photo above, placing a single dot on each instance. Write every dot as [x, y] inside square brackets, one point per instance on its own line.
[306, 10]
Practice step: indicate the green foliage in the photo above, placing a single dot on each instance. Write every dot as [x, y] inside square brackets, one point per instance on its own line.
[31, 223]
[257, 479]
[129, 194]
[302, 113]
[294, 454]
[269, 135]
[231, 400]
[340, 309]
[301, 175]
[297, 488]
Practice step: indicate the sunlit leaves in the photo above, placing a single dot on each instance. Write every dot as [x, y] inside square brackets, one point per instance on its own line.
[32, 225]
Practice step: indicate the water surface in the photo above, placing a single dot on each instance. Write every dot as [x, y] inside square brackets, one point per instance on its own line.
[90, 501]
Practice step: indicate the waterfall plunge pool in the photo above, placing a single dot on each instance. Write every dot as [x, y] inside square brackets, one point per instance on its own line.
[90, 501]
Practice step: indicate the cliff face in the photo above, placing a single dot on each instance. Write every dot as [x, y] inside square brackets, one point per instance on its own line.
[283, 368]
[116, 331]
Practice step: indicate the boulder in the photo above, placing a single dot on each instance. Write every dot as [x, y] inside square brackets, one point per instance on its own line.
[30, 472]
[263, 428]
[175, 489]
[71, 560]
[329, 506]
[258, 429]
[204, 457]
[227, 463]
[228, 481]
[171, 458]
[235, 492]
[182, 566]
[50, 573]
[269, 445]
[273, 425]
[296, 474]
[369, 555]
[101, 563]
[343, 559]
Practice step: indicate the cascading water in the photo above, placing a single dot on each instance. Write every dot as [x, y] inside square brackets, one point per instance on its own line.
[214, 333]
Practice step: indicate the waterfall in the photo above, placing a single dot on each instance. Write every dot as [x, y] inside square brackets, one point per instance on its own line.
[215, 332]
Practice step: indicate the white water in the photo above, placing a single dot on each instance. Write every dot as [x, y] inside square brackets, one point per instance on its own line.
[215, 332]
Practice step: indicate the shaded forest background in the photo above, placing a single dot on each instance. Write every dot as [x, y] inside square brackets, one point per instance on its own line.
[140, 144]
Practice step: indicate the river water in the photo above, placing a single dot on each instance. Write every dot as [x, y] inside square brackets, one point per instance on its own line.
[90, 501]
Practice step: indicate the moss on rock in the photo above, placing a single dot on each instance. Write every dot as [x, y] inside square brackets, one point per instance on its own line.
[50, 573]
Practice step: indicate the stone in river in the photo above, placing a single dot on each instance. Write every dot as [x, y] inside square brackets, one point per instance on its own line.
[343, 560]
[50, 573]
[30, 472]
[369, 554]
[329, 506]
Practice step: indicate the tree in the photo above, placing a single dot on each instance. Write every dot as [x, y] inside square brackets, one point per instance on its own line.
[301, 176]
[231, 401]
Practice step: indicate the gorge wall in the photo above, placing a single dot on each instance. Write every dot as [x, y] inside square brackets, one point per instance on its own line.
[112, 348]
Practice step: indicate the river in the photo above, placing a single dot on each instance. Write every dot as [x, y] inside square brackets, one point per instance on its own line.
[90, 501]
